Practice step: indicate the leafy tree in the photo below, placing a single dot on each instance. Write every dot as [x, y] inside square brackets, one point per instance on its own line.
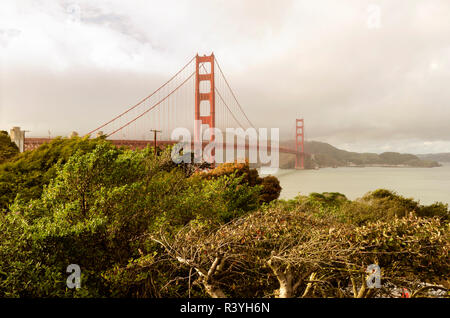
[380, 204]
[296, 254]
[143, 226]
[98, 212]
[26, 175]
[8, 149]
[270, 188]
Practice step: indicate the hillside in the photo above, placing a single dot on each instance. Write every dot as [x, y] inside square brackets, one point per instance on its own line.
[440, 157]
[321, 155]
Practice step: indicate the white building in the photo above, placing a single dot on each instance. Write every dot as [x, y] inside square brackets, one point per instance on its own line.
[18, 137]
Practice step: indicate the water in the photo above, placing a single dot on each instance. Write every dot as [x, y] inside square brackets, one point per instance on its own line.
[427, 185]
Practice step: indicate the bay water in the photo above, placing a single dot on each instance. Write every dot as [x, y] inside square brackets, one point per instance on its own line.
[427, 185]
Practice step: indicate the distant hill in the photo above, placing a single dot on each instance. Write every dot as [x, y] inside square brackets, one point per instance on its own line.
[441, 157]
[321, 155]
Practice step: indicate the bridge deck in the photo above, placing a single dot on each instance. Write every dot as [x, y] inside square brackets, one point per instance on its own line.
[33, 143]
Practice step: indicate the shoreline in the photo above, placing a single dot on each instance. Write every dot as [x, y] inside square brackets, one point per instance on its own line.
[370, 166]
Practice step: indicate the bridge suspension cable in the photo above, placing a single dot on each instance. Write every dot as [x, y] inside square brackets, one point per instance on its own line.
[153, 106]
[223, 101]
[179, 102]
[221, 98]
[172, 105]
[233, 94]
[143, 100]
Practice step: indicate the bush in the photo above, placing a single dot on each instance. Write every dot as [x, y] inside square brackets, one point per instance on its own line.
[377, 205]
[270, 188]
[142, 226]
[26, 174]
[8, 149]
[389, 204]
[99, 211]
[297, 254]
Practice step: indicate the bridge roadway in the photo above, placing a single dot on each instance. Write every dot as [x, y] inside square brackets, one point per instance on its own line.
[33, 143]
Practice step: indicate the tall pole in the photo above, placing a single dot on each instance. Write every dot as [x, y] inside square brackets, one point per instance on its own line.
[154, 137]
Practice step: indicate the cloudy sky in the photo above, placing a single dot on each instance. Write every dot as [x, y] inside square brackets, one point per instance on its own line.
[365, 75]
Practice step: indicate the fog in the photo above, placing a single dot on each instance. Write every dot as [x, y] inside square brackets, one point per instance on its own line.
[365, 75]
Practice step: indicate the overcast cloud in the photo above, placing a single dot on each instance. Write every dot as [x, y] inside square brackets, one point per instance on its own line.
[361, 83]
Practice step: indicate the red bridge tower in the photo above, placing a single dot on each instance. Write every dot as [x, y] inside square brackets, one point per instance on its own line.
[300, 143]
[210, 117]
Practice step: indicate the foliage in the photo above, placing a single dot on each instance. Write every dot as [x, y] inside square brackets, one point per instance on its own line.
[97, 213]
[377, 205]
[141, 226]
[28, 172]
[296, 254]
[8, 149]
[250, 176]
[270, 188]
[410, 250]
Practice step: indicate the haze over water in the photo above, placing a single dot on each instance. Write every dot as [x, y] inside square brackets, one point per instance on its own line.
[427, 185]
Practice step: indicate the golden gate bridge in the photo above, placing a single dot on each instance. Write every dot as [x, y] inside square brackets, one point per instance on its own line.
[198, 93]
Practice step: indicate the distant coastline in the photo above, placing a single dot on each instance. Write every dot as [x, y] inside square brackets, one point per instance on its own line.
[323, 155]
[440, 157]
[391, 166]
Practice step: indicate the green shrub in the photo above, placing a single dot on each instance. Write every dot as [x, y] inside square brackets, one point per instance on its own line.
[26, 174]
[377, 205]
[8, 149]
[270, 188]
[98, 212]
